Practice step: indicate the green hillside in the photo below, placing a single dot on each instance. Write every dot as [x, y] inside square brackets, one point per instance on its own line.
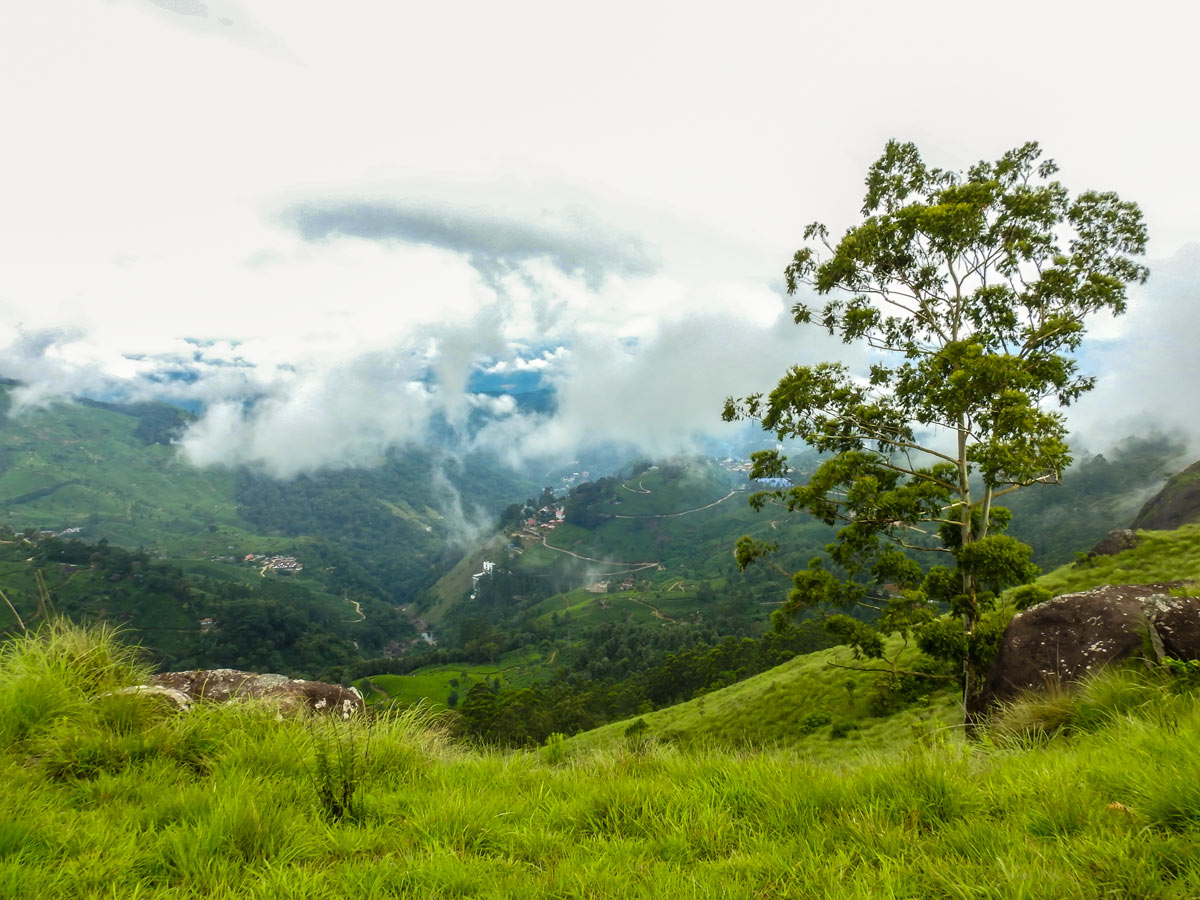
[821, 704]
[670, 529]
[89, 467]
[107, 471]
[813, 702]
[263, 621]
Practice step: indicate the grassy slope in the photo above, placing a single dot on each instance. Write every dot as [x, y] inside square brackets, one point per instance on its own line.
[1160, 556]
[109, 797]
[112, 485]
[770, 709]
[586, 608]
[456, 583]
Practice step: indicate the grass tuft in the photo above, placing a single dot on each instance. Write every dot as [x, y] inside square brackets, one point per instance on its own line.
[56, 671]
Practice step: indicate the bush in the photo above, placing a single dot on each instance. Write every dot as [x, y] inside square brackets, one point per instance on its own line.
[1028, 595]
[842, 730]
[556, 748]
[1184, 674]
[813, 721]
[339, 761]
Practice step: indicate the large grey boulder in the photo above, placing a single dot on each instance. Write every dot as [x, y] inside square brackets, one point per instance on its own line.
[1062, 640]
[223, 685]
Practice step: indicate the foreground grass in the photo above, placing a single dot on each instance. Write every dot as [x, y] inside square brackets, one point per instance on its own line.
[112, 796]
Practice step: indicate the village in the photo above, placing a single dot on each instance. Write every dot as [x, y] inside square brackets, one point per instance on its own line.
[288, 565]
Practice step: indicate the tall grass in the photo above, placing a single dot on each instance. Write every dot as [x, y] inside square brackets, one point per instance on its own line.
[1109, 807]
[58, 669]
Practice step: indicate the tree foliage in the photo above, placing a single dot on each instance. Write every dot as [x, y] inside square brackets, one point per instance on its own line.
[969, 293]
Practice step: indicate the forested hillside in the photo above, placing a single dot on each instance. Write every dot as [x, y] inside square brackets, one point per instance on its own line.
[109, 471]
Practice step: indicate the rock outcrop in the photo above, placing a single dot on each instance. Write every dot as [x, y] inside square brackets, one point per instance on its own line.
[1115, 542]
[1062, 640]
[1178, 503]
[223, 685]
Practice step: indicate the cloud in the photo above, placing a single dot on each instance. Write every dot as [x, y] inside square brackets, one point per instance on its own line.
[1148, 377]
[662, 395]
[465, 525]
[219, 18]
[54, 364]
[656, 391]
[495, 243]
[183, 7]
[348, 414]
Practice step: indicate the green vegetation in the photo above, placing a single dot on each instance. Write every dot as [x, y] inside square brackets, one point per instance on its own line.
[812, 703]
[1160, 556]
[110, 472]
[735, 692]
[88, 466]
[971, 292]
[433, 685]
[259, 622]
[113, 796]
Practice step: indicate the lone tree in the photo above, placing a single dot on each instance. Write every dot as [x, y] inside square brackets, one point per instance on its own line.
[970, 293]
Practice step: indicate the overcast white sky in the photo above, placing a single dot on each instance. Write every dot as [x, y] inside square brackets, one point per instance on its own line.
[332, 197]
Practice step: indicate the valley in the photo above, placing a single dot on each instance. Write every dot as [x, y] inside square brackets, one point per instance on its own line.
[584, 601]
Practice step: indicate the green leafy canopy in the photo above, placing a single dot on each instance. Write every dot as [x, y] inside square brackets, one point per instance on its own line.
[971, 292]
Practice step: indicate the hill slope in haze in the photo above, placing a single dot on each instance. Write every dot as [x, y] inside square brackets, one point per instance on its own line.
[1178, 503]
[108, 471]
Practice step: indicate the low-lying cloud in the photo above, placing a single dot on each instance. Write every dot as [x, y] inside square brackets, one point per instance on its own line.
[657, 389]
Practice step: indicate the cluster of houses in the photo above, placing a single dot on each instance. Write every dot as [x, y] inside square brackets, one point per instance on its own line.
[745, 466]
[288, 564]
[601, 587]
[546, 518]
[729, 464]
[44, 535]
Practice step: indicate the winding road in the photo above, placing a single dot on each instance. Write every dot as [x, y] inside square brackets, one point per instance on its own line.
[362, 616]
[686, 512]
[632, 566]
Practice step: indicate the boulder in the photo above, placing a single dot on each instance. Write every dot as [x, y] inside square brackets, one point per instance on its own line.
[292, 695]
[1115, 542]
[178, 699]
[1064, 639]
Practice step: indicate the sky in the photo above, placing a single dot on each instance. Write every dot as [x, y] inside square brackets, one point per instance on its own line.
[344, 212]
